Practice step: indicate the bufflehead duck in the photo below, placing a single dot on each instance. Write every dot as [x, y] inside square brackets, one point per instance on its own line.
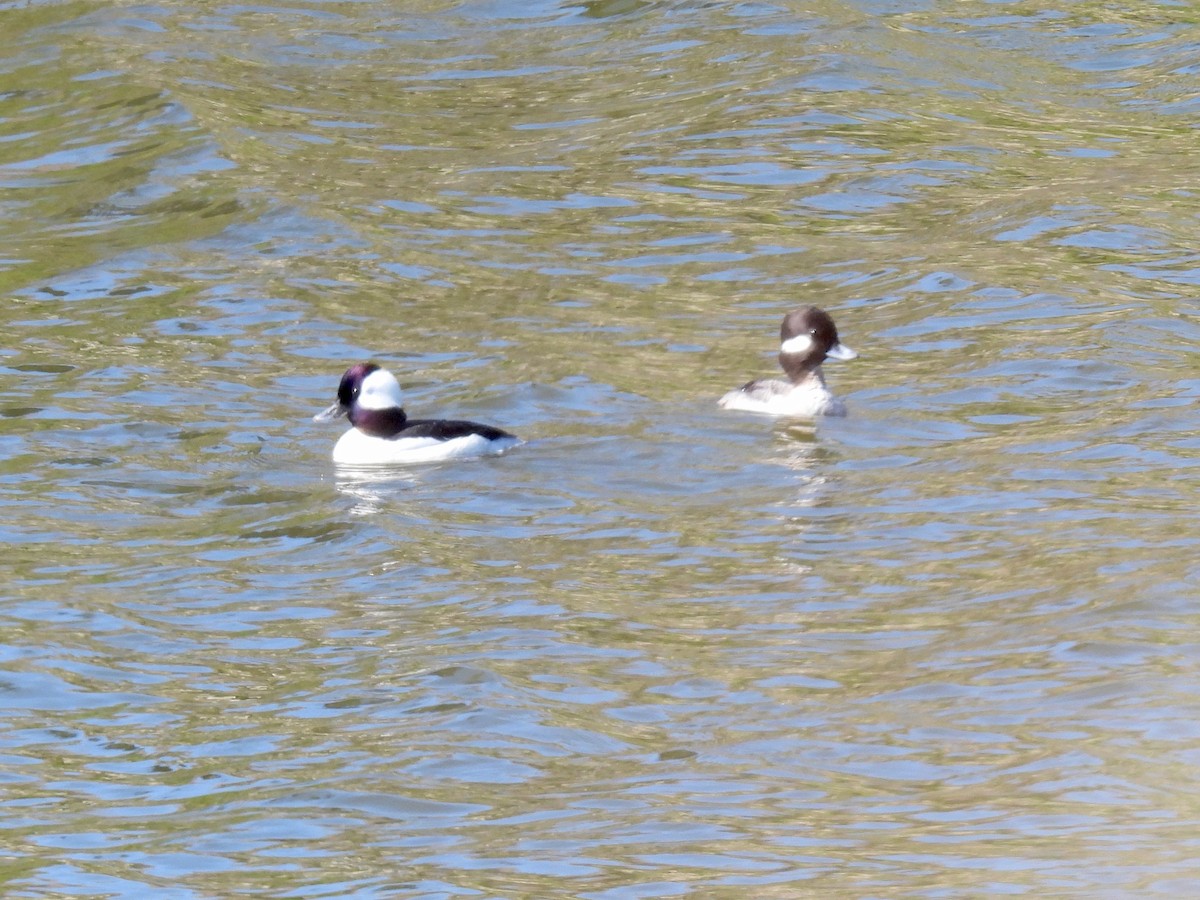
[384, 435]
[807, 338]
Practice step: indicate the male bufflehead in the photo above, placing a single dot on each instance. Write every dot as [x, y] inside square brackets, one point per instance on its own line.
[808, 337]
[384, 435]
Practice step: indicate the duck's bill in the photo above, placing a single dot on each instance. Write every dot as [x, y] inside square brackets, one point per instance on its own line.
[334, 412]
[842, 352]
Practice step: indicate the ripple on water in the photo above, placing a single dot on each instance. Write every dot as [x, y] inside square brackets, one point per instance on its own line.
[938, 647]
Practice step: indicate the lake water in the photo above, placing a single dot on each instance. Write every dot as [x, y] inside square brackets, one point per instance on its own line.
[944, 647]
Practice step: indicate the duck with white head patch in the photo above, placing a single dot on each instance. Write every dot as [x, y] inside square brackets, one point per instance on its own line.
[382, 434]
[807, 338]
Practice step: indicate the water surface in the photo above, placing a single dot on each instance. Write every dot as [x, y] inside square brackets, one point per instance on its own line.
[940, 648]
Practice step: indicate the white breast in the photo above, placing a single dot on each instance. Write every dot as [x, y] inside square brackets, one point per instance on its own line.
[781, 398]
[357, 449]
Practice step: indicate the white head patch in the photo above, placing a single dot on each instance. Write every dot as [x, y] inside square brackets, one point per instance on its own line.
[380, 390]
[801, 343]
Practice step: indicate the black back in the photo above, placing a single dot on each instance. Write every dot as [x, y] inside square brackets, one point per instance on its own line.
[448, 429]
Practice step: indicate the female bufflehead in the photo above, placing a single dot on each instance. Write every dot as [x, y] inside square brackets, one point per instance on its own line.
[384, 435]
[808, 337]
